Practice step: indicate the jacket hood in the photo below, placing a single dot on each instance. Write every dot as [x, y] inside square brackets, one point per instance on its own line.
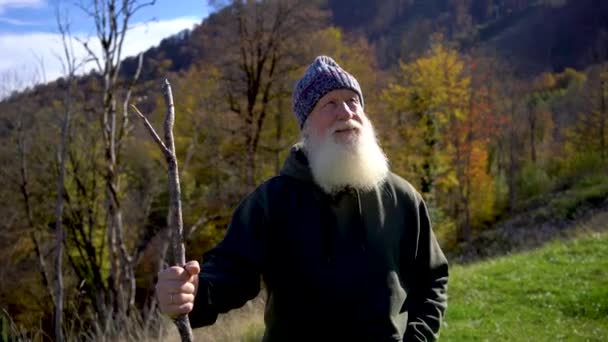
[296, 165]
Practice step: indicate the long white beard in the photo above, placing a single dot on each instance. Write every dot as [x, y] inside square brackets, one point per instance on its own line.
[359, 162]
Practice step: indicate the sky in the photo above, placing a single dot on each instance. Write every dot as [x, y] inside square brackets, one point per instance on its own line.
[30, 44]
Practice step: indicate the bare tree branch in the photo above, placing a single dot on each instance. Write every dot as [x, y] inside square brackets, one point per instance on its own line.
[24, 185]
[70, 71]
[201, 221]
[125, 122]
[92, 56]
[153, 133]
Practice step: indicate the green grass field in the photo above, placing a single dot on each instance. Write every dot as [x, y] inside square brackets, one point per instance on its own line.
[557, 293]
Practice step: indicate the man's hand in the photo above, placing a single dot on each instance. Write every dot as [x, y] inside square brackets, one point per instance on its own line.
[176, 288]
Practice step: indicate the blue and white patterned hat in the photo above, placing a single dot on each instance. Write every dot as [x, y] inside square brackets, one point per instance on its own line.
[321, 77]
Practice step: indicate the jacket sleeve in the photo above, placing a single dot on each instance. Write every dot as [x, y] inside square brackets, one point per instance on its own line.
[427, 299]
[231, 272]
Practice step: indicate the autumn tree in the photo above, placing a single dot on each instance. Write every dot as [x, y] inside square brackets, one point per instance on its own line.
[587, 134]
[538, 119]
[436, 111]
[472, 137]
[260, 45]
[420, 98]
[431, 90]
[511, 108]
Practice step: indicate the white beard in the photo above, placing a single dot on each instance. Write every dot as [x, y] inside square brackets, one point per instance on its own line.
[358, 162]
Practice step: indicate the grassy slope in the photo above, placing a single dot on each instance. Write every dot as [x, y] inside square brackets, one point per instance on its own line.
[559, 292]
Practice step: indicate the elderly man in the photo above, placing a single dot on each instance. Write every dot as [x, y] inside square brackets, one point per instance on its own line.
[345, 247]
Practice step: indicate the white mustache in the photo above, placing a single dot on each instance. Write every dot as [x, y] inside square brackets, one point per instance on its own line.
[344, 125]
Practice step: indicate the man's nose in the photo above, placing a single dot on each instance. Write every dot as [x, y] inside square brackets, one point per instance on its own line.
[344, 112]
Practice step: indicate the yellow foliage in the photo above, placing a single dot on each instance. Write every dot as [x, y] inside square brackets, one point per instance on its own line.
[483, 189]
[570, 77]
[544, 81]
[436, 83]
[432, 91]
[435, 95]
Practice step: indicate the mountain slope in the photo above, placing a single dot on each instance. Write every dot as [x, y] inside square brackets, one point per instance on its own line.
[536, 35]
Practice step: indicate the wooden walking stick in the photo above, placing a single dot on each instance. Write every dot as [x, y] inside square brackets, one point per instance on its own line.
[175, 204]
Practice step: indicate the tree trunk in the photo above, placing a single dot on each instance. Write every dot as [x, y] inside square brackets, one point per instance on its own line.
[603, 117]
[512, 160]
[28, 210]
[532, 123]
[278, 137]
[428, 165]
[250, 166]
[59, 222]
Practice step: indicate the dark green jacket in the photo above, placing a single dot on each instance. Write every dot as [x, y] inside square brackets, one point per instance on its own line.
[356, 266]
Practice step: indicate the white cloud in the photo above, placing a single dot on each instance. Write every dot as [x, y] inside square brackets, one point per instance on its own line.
[22, 51]
[18, 22]
[4, 4]
[144, 35]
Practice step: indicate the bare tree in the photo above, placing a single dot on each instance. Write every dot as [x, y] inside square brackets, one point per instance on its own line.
[259, 50]
[24, 185]
[10, 82]
[112, 19]
[70, 66]
[511, 106]
[23, 157]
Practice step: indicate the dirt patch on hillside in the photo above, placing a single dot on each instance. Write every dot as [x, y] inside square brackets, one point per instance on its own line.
[522, 233]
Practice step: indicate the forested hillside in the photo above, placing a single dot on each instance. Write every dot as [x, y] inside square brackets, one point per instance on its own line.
[536, 36]
[495, 110]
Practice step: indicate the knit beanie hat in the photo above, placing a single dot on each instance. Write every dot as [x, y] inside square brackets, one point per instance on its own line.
[321, 77]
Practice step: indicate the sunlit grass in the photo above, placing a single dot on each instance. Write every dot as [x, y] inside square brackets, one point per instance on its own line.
[243, 325]
[557, 293]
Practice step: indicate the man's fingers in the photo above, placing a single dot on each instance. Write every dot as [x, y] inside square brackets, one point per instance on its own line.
[170, 300]
[175, 286]
[187, 288]
[177, 272]
[176, 303]
[173, 273]
[192, 267]
[180, 299]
